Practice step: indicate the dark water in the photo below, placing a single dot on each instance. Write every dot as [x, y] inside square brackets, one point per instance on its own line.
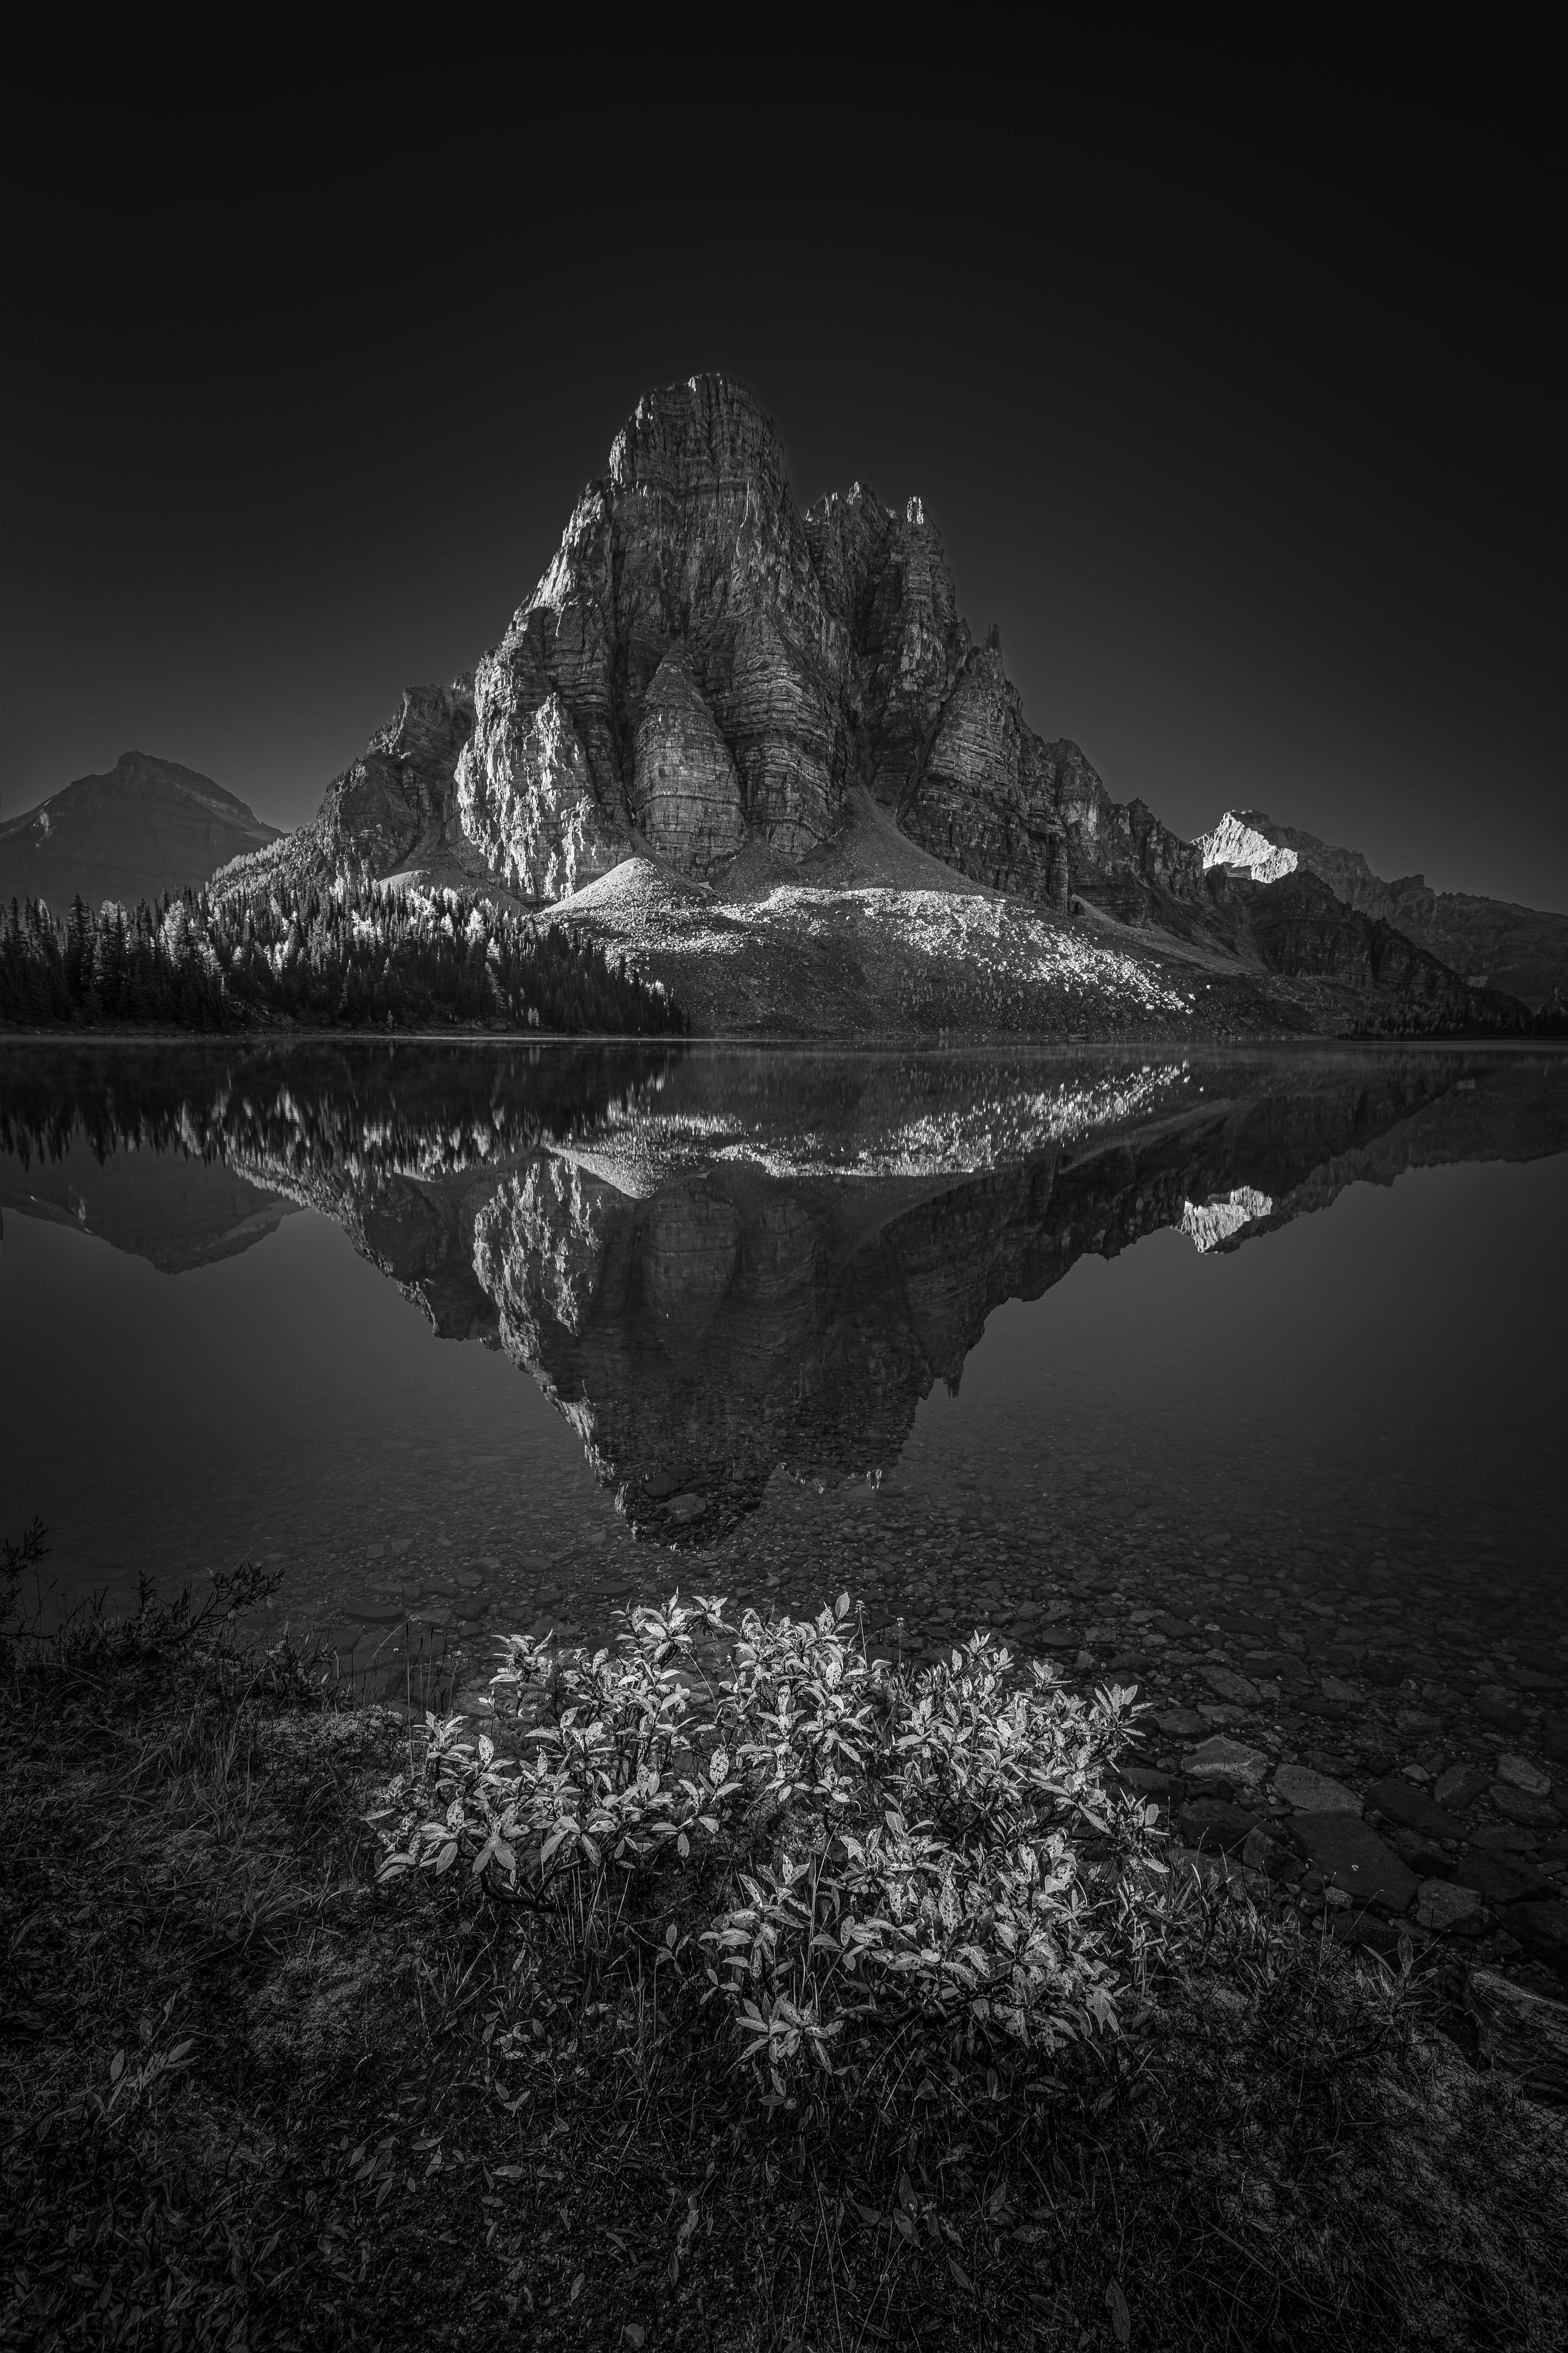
[976, 1336]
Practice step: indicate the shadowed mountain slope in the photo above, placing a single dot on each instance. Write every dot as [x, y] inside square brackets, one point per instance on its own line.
[148, 827]
[1520, 951]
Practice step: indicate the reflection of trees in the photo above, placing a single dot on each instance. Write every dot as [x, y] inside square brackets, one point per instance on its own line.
[313, 1107]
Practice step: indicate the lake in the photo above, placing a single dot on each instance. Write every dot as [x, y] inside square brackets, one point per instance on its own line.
[1267, 1343]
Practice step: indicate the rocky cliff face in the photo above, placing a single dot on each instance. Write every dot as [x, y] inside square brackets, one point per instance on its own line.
[395, 802]
[147, 826]
[1520, 951]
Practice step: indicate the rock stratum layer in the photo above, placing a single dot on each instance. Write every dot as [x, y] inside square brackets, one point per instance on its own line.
[147, 826]
[739, 693]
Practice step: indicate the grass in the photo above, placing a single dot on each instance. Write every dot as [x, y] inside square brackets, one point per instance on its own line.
[253, 2097]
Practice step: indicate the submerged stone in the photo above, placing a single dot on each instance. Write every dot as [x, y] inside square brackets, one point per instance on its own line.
[1535, 1813]
[1180, 1723]
[1351, 1857]
[1230, 1760]
[1411, 1808]
[1496, 1881]
[1215, 1822]
[1520, 1774]
[1461, 1785]
[1314, 1793]
[1229, 1685]
[1441, 1905]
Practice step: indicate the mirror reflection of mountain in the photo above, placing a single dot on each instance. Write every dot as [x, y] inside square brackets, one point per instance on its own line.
[719, 1265]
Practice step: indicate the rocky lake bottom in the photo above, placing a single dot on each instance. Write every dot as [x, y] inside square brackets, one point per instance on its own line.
[1234, 1376]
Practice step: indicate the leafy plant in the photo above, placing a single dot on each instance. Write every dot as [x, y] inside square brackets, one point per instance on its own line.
[827, 1845]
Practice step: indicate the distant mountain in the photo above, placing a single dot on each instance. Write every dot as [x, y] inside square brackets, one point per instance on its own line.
[147, 826]
[711, 696]
[1494, 944]
[175, 1212]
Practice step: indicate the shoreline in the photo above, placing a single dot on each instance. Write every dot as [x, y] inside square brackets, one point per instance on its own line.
[804, 1041]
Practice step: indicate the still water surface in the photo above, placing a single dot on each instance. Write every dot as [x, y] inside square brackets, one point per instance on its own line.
[465, 1337]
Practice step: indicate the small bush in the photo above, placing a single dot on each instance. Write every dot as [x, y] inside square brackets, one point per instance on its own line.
[829, 1845]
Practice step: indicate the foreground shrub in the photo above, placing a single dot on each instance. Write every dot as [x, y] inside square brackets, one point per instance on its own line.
[831, 1845]
[254, 2098]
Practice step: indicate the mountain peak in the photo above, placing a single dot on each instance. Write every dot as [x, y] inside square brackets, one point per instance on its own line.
[710, 427]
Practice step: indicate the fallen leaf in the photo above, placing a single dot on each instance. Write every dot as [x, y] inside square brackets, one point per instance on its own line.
[1120, 2318]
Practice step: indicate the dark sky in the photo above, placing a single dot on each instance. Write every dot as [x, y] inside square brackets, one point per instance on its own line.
[1242, 419]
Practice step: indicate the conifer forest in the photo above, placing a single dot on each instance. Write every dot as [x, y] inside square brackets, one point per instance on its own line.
[356, 955]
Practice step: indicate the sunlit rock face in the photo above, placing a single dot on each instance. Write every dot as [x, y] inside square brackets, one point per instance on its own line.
[390, 807]
[525, 799]
[690, 540]
[1240, 843]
